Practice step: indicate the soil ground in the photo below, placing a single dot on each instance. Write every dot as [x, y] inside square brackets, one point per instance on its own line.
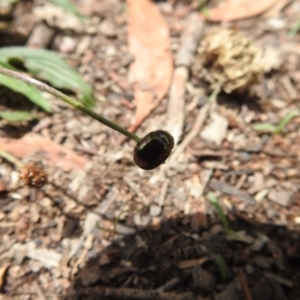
[101, 228]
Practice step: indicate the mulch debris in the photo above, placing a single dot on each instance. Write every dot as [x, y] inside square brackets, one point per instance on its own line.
[100, 228]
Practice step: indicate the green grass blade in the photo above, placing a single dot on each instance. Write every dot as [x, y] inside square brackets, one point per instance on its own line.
[204, 8]
[33, 94]
[295, 29]
[48, 66]
[222, 267]
[286, 119]
[67, 6]
[5, 2]
[117, 219]
[15, 116]
[266, 127]
[213, 200]
[61, 78]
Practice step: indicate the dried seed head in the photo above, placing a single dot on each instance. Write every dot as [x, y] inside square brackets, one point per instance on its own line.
[231, 60]
[33, 175]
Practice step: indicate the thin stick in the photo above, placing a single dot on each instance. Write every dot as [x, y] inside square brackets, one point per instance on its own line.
[11, 158]
[243, 282]
[46, 88]
[197, 125]
[193, 133]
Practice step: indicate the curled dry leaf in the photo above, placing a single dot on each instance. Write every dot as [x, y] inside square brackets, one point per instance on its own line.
[151, 71]
[232, 10]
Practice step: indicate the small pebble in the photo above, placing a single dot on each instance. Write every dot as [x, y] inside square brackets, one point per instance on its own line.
[259, 243]
[156, 223]
[297, 220]
[141, 220]
[203, 279]
[249, 269]
[67, 44]
[262, 262]
[107, 28]
[155, 210]
[281, 197]
[275, 24]
[292, 172]
[216, 229]
[245, 156]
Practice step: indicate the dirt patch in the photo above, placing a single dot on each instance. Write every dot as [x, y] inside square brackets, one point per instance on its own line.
[105, 229]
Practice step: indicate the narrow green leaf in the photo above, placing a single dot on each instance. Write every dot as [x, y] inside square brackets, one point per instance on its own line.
[223, 269]
[69, 7]
[33, 94]
[61, 77]
[5, 2]
[15, 116]
[213, 200]
[267, 127]
[286, 119]
[204, 8]
[48, 66]
[295, 29]
[117, 219]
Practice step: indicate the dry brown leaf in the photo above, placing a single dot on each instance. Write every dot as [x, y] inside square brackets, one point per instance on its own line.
[3, 270]
[232, 10]
[53, 153]
[151, 71]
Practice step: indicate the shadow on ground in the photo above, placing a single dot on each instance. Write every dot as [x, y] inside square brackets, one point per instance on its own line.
[258, 261]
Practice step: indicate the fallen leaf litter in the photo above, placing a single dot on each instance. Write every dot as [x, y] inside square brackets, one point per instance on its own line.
[93, 233]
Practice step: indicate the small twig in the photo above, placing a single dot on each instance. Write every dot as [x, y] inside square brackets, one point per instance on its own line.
[169, 285]
[163, 192]
[192, 134]
[199, 205]
[185, 56]
[137, 191]
[225, 188]
[203, 112]
[33, 192]
[38, 291]
[207, 176]
[40, 36]
[241, 181]
[244, 284]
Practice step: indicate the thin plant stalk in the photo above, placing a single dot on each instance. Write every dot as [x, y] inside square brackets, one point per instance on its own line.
[213, 200]
[7, 156]
[222, 267]
[76, 104]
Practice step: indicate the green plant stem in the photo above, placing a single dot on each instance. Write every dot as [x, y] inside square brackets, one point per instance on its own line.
[295, 29]
[46, 88]
[11, 158]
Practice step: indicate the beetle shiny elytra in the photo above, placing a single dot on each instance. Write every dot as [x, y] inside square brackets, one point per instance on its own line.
[153, 149]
